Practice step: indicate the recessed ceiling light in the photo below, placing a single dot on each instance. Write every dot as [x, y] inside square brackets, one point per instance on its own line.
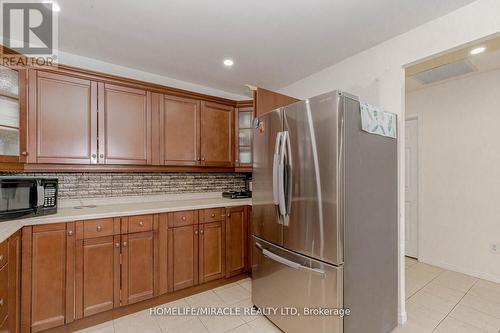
[228, 62]
[478, 50]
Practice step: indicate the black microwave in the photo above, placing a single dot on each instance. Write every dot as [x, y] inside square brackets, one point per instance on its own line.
[25, 197]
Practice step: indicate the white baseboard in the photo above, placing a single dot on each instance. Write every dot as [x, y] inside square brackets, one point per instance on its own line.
[402, 318]
[451, 267]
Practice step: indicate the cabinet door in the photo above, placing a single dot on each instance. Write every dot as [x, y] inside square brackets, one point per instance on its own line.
[62, 119]
[212, 251]
[183, 256]
[97, 285]
[124, 125]
[243, 139]
[179, 131]
[217, 134]
[137, 267]
[14, 282]
[48, 276]
[236, 241]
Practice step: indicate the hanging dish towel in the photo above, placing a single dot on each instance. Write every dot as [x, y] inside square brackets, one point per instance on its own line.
[376, 121]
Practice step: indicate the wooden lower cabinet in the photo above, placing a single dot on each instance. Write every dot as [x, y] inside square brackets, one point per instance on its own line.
[183, 256]
[138, 270]
[47, 278]
[212, 251]
[97, 276]
[236, 241]
[10, 260]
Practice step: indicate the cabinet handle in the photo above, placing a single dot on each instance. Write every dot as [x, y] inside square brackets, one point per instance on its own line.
[196, 232]
[24, 153]
[213, 215]
[94, 156]
[141, 224]
[117, 244]
[201, 231]
[1, 257]
[99, 228]
[1, 301]
[203, 158]
[101, 156]
[124, 244]
[228, 215]
[183, 218]
[70, 232]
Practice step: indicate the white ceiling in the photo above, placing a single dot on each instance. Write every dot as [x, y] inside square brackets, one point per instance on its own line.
[273, 42]
[481, 63]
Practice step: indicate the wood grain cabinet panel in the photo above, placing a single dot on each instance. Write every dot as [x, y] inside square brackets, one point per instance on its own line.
[4, 294]
[137, 267]
[183, 255]
[62, 119]
[14, 292]
[266, 100]
[236, 241]
[48, 276]
[211, 251]
[124, 125]
[217, 134]
[179, 131]
[97, 276]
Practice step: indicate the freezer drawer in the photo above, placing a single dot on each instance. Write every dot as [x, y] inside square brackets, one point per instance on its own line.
[281, 279]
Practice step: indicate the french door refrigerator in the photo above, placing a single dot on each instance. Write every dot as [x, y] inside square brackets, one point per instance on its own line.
[324, 218]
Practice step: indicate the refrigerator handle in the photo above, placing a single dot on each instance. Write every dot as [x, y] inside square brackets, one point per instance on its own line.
[281, 175]
[291, 264]
[276, 159]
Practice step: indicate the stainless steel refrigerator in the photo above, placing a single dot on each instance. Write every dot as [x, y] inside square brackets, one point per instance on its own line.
[325, 231]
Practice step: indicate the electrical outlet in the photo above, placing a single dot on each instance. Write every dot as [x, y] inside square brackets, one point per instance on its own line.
[495, 248]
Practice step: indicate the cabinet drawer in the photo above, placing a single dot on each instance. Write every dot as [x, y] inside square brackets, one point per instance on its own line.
[98, 228]
[3, 293]
[212, 215]
[3, 253]
[180, 219]
[140, 223]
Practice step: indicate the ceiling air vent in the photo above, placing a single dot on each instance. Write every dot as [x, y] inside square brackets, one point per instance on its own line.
[445, 72]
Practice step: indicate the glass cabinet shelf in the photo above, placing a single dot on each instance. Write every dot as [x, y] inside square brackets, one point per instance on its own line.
[245, 132]
[9, 112]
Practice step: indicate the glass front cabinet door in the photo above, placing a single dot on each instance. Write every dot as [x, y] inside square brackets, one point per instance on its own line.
[12, 115]
[244, 121]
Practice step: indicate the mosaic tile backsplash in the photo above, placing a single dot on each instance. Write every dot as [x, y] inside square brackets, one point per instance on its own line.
[99, 185]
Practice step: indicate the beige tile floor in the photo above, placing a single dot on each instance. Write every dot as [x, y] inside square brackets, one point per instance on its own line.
[438, 301]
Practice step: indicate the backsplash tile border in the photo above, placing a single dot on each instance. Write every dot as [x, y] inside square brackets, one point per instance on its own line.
[104, 185]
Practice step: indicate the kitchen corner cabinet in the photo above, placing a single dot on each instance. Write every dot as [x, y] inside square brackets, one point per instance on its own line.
[217, 136]
[236, 241]
[47, 280]
[12, 115]
[244, 135]
[10, 270]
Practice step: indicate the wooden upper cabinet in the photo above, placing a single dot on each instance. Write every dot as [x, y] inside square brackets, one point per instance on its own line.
[266, 100]
[217, 134]
[124, 125]
[47, 255]
[62, 119]
[236, 241]
[179, 131]
[211, 251]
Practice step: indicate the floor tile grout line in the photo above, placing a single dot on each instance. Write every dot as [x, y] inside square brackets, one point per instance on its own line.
[455, 307]
[425, 285]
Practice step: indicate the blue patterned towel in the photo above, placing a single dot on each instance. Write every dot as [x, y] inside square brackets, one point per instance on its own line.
[376, 121]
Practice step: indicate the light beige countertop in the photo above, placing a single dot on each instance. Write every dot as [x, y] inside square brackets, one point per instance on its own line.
[87, 209]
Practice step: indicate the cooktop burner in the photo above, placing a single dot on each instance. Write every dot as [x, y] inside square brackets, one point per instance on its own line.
[237, 194]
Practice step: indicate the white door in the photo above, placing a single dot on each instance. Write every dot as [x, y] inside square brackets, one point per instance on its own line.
[411, 187]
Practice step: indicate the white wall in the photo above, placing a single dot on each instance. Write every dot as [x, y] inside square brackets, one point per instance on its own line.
[376, 75]
[108, 68]
[460, 178]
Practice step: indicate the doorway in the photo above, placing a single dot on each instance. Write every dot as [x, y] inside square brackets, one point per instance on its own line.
[411, 186]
